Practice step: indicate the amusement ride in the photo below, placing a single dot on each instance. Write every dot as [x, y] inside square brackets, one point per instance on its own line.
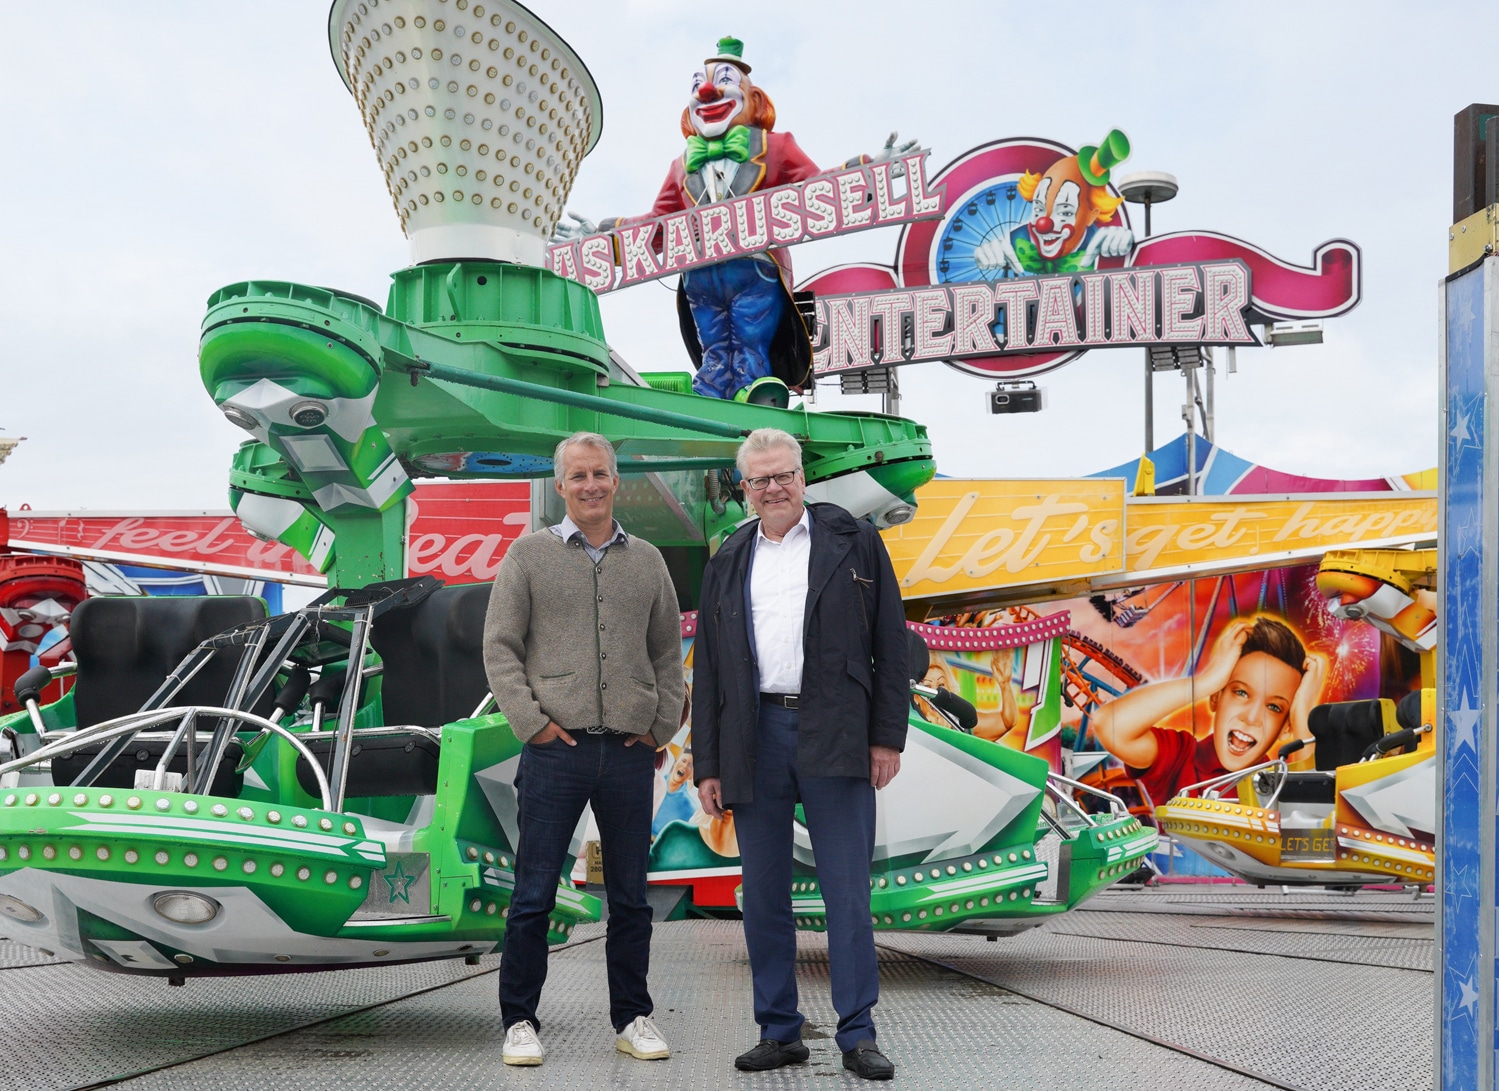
[222, 792]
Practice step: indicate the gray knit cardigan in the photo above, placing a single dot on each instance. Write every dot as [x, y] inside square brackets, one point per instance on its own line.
[584, 644]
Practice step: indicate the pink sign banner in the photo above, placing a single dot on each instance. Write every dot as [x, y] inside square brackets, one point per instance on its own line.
[1198, 304]
[983, 206]
[457, 531]
[836, 203]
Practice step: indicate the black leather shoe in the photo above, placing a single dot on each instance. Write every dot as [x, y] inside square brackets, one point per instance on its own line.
[773, 1054]
[867, 1062]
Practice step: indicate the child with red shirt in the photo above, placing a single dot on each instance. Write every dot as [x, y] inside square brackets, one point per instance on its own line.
[1262, 683]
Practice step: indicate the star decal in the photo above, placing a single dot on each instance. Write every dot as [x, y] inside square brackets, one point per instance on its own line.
[1466, 316]
[1460, 430]
[1468, 995]
[400, 883]
[1464, 724]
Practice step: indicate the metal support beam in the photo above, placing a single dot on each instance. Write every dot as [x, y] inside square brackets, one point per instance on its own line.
[1467, 696]
[593, 402]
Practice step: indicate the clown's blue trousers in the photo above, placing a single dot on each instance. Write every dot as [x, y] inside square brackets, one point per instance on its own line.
[737, 306]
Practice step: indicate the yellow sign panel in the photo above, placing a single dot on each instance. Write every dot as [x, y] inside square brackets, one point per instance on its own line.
[1167, 535]
[970, 537]
[975, 535]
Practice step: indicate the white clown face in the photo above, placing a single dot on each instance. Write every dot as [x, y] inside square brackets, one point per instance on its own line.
[717, 100]
[1055, 227]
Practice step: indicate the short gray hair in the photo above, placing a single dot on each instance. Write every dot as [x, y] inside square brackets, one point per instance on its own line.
[584, 439]
[766, 439]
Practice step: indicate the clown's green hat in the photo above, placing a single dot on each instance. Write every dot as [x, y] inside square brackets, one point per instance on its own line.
[730, 51]
[1097, 161]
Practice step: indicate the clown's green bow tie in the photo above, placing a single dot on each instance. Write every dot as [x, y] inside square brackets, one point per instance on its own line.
[735, 145]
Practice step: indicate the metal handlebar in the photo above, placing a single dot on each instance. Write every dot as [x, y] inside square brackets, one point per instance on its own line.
[138, 721]
[1214, 783]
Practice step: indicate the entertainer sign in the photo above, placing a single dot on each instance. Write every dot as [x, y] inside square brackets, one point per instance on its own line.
[1026, 211]
[1195, 304]
[837, 203]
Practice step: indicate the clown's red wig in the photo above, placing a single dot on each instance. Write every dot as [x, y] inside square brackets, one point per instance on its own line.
[759, 111]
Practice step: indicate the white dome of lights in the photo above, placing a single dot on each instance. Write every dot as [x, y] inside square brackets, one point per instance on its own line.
[480, 114]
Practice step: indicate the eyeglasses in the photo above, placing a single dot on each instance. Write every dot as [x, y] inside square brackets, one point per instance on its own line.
[760, 484]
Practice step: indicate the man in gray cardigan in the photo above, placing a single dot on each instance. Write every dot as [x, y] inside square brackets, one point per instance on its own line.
[583, 648]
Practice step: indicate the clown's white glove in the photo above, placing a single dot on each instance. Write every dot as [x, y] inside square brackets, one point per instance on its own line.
[895, 151]
[572, 232]
[1109, 242]
[997, 253]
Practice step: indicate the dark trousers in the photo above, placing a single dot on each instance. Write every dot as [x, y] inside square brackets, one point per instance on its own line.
[840, 819]
[553, 784]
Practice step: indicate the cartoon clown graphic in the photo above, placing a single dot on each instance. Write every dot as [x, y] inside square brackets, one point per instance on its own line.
[738, 321]
[1068, 230]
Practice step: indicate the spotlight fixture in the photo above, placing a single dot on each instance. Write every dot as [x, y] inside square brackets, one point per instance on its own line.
[240, 418]
[17, 910]
[185, 907]
[309, 414]
[1018, 397]
[1293, 333]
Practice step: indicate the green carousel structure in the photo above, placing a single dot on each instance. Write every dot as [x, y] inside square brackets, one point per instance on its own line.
[222, 792]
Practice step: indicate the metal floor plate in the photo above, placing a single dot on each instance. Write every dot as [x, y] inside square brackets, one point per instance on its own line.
[1092, 999]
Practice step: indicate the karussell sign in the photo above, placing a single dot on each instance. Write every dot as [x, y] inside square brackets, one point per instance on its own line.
[837, 203]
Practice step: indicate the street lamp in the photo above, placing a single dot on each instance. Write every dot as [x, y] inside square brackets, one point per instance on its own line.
[1148, 188]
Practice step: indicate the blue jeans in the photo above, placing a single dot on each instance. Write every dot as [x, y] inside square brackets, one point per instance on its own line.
[552, 785]
[840, 819]
[736, 306]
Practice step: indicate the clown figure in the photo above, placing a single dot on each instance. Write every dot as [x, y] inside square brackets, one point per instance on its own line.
[740, 327]
[1071, 206]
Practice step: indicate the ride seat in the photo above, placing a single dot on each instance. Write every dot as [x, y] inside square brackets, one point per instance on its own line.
[145, 752]
[433, 655]
[1305, 786]
[387, 761]
[126, 646]
[1345, 729]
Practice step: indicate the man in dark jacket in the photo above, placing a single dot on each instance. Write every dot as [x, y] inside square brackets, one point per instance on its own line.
[801, 696]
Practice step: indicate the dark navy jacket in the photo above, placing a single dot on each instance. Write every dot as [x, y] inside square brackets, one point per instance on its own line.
[854, 692]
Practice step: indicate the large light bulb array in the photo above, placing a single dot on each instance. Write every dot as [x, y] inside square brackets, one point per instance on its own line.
[479, 113]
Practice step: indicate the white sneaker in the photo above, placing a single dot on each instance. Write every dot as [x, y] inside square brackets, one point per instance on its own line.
[522, 1046]
[642, 1039]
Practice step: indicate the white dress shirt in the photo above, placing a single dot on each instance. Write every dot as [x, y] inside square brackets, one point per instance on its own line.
[778, 598]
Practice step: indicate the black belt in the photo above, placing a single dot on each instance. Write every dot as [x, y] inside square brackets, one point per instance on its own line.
[606, 731]
[785, 700]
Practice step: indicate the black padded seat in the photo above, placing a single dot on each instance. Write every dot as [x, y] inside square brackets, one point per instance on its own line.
[1345, 729]
[126, 647]
[145, 753]
[387, 761]
[433, 655]
[1408, 710]
[1308, 787]
[919, 656]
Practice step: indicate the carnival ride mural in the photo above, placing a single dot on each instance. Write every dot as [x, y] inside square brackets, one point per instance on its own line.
[1363, 808]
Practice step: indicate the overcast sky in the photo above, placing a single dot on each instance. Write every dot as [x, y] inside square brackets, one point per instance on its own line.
[155, 151]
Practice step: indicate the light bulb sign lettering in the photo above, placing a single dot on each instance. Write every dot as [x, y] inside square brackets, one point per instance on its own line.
[841, 202]
[1201, 304]
[1035, 228]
